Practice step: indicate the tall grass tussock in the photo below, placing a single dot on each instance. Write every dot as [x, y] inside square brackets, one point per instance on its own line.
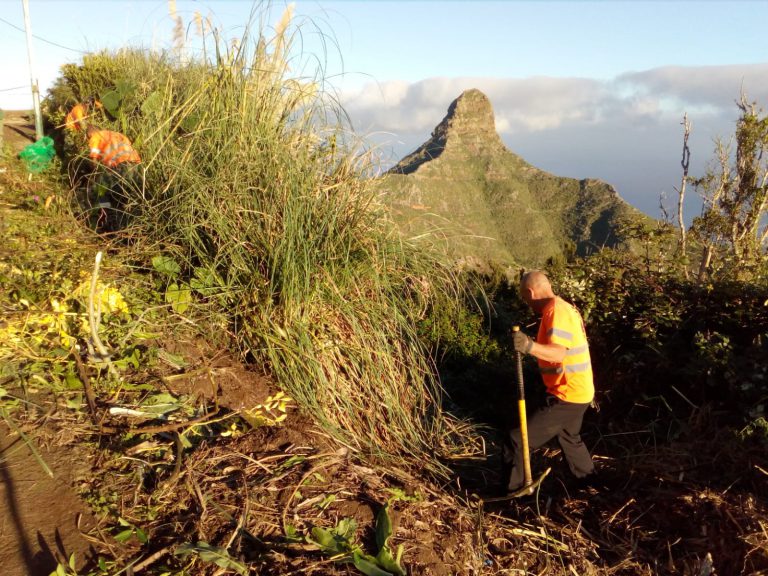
[254, 183]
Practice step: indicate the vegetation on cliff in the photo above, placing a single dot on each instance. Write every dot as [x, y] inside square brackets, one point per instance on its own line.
[488, 204]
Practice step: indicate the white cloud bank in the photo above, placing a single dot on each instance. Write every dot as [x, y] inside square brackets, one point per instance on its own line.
[626, 131]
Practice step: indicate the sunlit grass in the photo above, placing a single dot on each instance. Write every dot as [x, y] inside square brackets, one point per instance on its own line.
[252, 180]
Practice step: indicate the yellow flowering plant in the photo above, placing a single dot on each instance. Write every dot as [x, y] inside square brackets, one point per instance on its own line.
[60, 323]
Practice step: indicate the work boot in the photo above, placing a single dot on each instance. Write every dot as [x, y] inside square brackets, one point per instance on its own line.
[595, 483]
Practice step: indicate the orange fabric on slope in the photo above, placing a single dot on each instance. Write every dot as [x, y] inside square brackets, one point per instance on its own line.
[112, 148]
[74, 120]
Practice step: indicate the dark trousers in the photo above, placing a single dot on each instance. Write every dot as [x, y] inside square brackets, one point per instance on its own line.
[114, 189]
[557, 418]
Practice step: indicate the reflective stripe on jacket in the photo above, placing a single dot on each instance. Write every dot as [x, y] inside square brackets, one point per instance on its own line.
[112, 148]
[572, 380]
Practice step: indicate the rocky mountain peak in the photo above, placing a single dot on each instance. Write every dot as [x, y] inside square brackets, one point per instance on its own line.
[492, 205]
[469, 128]
[471, 114]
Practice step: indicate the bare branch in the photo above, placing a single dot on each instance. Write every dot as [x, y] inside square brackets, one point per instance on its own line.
[685, 162]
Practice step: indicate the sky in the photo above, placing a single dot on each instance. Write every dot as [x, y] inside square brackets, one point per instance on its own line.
[579, 89]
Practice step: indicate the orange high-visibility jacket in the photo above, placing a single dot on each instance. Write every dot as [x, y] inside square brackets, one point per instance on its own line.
[112, 148]
[74, 120]
[572, 380]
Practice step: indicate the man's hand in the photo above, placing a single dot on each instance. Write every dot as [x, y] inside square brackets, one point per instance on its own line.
[522, 342]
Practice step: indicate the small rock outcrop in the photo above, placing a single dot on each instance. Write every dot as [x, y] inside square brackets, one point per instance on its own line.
[469, 127]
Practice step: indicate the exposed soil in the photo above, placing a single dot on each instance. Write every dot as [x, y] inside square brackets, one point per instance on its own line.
[42, 516]
[216, 376]
[18, 128]
[43, 520]
[664, 511]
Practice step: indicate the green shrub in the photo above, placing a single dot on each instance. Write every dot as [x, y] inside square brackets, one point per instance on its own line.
[650, 331]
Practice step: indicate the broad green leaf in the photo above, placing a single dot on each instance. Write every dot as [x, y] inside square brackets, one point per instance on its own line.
[160, 398]
[129, 359]
[178, 296]
[184, 550]
[346, 528]
[383, 527]
[160, 403]
[383, 533]
[294, 460]
[196, 284]
[152, 105]
[213, 554]
[385, 559]
[166, 265]
[125, 87]
[177, 361]
[138, 387]
[367, 565]
[139, 335]
[291, 533]
[72, 381]
[398, 494]
[111, 101]
[205, 281]
[327, 541]
[326, 501]
[72, 560]
[190, 122]
[124, 536]
[75, 402]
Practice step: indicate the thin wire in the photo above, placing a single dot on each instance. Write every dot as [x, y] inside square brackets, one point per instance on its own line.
[14, 88]
[41, 38]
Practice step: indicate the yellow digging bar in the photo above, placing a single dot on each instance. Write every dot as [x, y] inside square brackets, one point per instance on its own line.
[529, 486]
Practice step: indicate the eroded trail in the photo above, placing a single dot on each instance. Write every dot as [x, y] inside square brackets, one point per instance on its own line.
[42, 516]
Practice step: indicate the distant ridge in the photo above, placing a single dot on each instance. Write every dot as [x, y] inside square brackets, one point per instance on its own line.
[489, 204]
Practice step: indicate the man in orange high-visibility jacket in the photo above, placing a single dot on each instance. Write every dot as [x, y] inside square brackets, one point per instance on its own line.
[114, 151]
[110, 148]
[75, 119]
[562, 351]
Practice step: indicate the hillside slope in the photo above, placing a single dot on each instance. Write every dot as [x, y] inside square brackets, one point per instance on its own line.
[203, 491]
[490, 204]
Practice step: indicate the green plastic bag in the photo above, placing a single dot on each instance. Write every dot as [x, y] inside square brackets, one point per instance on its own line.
[37, 157]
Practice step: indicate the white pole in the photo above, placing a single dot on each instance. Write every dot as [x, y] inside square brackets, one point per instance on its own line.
[35, 89]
